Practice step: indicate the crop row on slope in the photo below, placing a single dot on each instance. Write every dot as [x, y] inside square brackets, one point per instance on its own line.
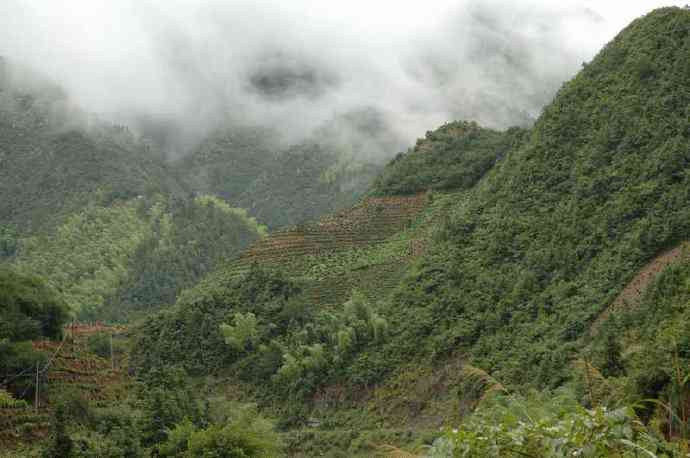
[371, 221]
[368, 247]
[22, 425]
[70, 366]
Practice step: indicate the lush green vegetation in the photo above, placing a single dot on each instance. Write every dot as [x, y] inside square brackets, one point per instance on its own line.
[51, 163]
[551, 426]
[87, 256]
[519, 266]
[135, 255]
[487, 305]
[162, 417]
[29, 310]
[259, 327]
[454, 156]
[535, 252]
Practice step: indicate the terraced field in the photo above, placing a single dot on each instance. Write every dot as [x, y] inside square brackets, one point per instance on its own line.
[73, 365]
[70, 365]
[22, 425]
[368, 247]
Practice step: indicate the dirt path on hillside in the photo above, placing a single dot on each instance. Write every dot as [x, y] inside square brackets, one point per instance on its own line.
[632, 293]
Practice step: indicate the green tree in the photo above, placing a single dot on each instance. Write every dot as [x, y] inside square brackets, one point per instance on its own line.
[244, 333]
[245, 435]
[166, 400]
[61, 444]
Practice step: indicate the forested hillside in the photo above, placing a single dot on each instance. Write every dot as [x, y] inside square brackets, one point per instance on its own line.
[491, 293]
[283, 185]
[54, 159]
[99, 213]
[545, 242]
[513, 272]
[453, 157]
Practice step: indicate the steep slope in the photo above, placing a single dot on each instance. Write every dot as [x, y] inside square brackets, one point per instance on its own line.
[513, 270]
[454, 156]
[553, 234]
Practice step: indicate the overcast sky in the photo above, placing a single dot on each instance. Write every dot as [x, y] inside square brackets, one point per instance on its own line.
[295, 64]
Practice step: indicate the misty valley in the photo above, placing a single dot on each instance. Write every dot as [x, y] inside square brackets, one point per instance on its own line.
[218, 240]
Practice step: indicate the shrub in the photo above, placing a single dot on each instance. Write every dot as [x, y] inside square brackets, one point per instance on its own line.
[7, 401]
[247, 435]
[549, 426]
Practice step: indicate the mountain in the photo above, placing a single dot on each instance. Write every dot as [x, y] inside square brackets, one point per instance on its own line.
[545, 242]
[284, 184]
[518, 243]
[54, 158]
[490, 293]
[119, 229]
[96, 211]
[454, 156]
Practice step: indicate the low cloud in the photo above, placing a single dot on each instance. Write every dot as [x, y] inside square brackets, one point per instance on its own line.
[178, 70]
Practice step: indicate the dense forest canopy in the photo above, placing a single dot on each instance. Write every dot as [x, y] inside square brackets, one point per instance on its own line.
[517, 292]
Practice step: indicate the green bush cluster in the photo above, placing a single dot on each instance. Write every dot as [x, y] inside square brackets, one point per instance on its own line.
[7, 401]
[247, 435]
[550, 426]
[29, 308]
[164, 416]
[453, 157]
[262, 327]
